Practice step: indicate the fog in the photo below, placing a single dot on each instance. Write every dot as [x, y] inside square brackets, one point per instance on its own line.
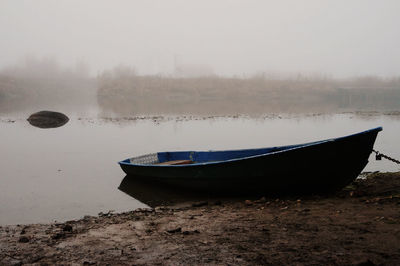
[199, 57]
[42, 83]
[230, 38]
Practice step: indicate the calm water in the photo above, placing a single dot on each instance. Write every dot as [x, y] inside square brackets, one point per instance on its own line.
[72, 171]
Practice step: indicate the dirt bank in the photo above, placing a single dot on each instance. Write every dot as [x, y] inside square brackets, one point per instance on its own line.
[359, 225]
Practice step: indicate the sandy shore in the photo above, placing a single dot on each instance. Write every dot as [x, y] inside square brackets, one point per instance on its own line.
[357, 226]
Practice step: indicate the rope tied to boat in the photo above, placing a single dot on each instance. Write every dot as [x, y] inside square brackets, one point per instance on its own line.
[379, 155]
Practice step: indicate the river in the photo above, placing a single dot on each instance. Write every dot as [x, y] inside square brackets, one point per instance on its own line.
[68, 172]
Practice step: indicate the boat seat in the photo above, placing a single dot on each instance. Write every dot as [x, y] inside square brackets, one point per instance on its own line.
[176, 162]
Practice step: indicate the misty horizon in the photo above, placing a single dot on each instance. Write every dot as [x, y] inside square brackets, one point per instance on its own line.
[195, 57]
[50, 67]
[226, 38]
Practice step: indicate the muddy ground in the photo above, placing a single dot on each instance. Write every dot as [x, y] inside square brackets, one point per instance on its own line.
[359, 225]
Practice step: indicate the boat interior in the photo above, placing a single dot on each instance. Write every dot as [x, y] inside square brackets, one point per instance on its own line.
[190, 157]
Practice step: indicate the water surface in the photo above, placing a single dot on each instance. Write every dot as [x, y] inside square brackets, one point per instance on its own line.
[72, 171]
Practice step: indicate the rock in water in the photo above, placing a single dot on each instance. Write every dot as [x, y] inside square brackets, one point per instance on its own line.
[48, 119]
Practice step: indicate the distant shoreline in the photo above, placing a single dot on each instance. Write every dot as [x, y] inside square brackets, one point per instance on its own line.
[112, 118]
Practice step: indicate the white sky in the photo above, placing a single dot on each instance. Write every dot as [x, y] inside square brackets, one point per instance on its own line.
[338, 37]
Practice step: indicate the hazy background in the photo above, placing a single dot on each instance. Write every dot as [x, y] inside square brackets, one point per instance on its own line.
[130, 58]
[338, 38]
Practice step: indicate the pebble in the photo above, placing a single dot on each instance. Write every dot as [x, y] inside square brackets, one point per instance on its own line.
[200, 204]
[67, 228]
[248, 202]
[23, 239]
[176, 230]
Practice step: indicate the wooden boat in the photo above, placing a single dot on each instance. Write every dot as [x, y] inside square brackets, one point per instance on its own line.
[311, 167]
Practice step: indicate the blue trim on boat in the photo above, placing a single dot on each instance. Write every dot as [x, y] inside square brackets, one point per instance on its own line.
[224, 156]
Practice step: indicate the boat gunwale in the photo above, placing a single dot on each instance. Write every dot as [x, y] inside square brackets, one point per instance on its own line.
[297, 146]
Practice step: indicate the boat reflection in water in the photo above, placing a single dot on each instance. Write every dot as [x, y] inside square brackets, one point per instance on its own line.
[155, 195]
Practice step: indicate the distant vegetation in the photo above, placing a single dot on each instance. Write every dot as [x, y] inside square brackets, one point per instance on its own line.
[123, 92]
[42, 83]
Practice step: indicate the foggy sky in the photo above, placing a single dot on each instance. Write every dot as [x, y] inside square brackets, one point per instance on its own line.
[338, 37]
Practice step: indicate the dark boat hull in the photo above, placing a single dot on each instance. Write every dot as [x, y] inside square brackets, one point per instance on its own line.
[316, 167]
